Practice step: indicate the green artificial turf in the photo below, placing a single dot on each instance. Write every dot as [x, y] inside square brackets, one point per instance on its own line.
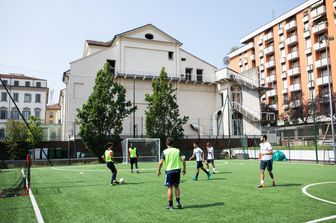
[65, 195]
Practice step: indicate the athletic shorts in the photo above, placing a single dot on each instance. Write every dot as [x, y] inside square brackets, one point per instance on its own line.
[111, 166]
[210, 161]
[133, 160]
[173, 178]
[199, 164]
[266, 163]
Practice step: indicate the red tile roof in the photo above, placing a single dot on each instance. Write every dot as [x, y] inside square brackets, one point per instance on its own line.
[54, 106]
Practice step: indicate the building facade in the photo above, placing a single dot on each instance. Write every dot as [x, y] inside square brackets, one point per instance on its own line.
[291, 54]
[135, 58]
[53, 114]
[29, 93]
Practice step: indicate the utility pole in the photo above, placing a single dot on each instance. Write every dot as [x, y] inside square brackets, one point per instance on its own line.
[311, 88]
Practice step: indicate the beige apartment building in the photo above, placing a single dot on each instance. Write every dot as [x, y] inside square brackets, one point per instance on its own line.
[289, 53]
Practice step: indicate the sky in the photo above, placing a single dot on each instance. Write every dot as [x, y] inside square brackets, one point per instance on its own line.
[41, 37]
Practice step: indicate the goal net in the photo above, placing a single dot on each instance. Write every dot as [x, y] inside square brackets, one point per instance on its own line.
[148, 149]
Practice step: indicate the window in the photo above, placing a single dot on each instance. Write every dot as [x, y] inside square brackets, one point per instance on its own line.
[296, 80]
[170, 55]
[2, 133]
[38, 98]
[27, 97]
[295, 63]
[3, 113]
[38, 84]
[183, 59]
[280, 25]
[307, 42]
[15, 114]
[16, 83]
[284, 84]
[283, 67]
[27, 84]
[149, 36]
[306, 26]
[199, 75]
[4, 82]
[112, 64]
[282, 37]
[324, 72]
[51, 114]
[37, 112]
[3, 96]
[294, 48]
[309, 59]
[26, 113]
[323, 54]
[283, 53]
[16, 97]
[188, 74]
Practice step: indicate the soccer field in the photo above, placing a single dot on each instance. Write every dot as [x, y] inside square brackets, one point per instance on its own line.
[65, 195]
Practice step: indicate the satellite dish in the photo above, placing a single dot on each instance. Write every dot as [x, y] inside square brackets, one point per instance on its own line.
[226, 60]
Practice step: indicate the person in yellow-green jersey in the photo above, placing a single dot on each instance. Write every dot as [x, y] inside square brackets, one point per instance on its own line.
[108, 157]
[133, 155]
[174, 162]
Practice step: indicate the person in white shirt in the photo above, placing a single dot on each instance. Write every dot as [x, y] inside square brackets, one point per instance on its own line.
[210, 158]
[198, 153]
[266, 160]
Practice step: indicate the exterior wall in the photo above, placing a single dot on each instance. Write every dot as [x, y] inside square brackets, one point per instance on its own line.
[55, 119]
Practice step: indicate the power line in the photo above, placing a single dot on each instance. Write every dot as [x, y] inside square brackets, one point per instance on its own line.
[27, 69]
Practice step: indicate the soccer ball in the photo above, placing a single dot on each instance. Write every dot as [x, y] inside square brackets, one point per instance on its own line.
[121, 180]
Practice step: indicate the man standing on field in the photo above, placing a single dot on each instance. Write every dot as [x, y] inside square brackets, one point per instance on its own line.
[174, 162]
[266, 160]
[198, 153]
[210, 158]
[108, 157]
[133, 155]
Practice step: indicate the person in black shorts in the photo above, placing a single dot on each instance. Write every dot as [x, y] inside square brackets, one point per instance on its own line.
[266, 161]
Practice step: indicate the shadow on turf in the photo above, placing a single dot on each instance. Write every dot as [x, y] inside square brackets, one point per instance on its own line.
[219, 173]
[288, 185]
[204, 205]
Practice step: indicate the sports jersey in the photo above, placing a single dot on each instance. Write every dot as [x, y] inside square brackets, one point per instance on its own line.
[172, 159]
[132, 151]
[108, 156]
[211, 154]
[198, 153]
[265, 147]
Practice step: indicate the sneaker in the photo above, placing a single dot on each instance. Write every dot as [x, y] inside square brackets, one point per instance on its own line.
[194, 178]
[115, 182]
[179, 205]
[261, 186]
[213, 172]
[131, 171]
[209, 176]
[169, 207]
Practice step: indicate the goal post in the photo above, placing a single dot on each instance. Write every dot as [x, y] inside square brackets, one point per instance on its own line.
[148, 149]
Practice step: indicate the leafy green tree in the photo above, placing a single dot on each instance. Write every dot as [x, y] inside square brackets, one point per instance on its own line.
[234, 48]
[162, 114]
[102, 115]
[35, 126]
[16, 135]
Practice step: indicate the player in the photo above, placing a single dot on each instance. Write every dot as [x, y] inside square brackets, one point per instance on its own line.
[174, 162]
[133, 155]
[108, 157]
[198, 153]
[210, 158]
[266, 152]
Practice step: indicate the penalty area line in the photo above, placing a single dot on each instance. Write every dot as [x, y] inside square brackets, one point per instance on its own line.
[322, 219]
[36, 208]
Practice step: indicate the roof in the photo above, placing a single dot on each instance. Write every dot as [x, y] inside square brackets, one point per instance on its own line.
[54, 106]
[109, 43]
[19, 76]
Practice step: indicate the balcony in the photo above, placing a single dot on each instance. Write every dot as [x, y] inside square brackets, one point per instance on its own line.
[261, 54]
[293, 55]
[262, 81]
[308, 50]
[245, 61]
[283, 60]
[320, 28]
[281, 45]
[268, 36]
[284, 91]
[270, 64]
[260, 41]
[294, 71]
[321, 10]
[283, 75]
[261, 67]
[292, 40]
[323, 80]
[320, 46]
[240, 63]
[271, 93]
[305, 18]
[294, 87]
[309, 67]
[306, 33]
[322, 63]
[270, 79]
[274, 106]
[311, 85]
[252, 57]
[290, 26]
[269, 50]
[280, 31]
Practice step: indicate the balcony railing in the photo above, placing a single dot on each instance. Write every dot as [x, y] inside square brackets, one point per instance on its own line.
[271, 93]
[284, 90]
[281, 45]
[274, 106]
[240, 63]
[290, 26]
[261, 54]
[320, 46]
[283, 74]
[306, 33]
[245, 61]
[252, 57]
[305, 18]
[321, 10]
[268, 36]
[269, 50]
[293, 55]
[292, 40]
[260, 41]
[321, 27]
[323, 80]
[294, 87]
[261, 67]
[283, 60]
[309, 67]
[280, 31]
[269, 64]
[294, 71]
[270, 79]
[308, 50]
[322, 63]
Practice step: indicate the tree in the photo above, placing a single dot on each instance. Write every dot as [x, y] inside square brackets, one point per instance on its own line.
[16, 134]
[101, 117]
[299, 108]
[162, 114]
[234, 48]
[35, 126]
[322, 104]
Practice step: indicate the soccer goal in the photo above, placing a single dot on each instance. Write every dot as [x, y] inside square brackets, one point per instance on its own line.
[148, 149]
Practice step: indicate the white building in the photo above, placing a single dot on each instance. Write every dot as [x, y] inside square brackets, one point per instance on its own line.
[29, 93]
[136, 57]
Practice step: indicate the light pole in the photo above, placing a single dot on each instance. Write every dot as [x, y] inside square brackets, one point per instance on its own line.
[327, 39]
[311, 88]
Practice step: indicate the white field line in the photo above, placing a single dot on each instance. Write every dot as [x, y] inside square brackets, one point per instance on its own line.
[322, 219]
[37, 211]
[304, 190]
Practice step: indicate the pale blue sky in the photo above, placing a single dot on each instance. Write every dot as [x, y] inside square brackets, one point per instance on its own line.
[40, 37]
